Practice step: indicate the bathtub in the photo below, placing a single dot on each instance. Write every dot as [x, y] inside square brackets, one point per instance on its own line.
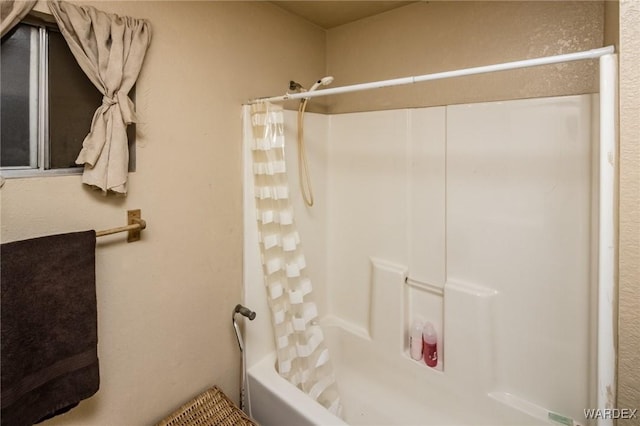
[375, 390]
[275, 401]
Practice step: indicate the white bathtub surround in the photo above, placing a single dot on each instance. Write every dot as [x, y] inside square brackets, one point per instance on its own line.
[302, 357]
[479, 218]
[494, 204]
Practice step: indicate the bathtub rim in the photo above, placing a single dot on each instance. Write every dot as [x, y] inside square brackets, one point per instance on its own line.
[264, 372]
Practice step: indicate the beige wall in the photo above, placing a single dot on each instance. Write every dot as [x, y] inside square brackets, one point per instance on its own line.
[428, 37]
[612, 23]
[629, 248]
[164, 303]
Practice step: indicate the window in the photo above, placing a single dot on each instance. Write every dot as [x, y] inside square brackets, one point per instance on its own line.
[47, 103]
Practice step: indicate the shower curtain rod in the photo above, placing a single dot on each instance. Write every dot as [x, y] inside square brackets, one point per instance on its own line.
[568, 57]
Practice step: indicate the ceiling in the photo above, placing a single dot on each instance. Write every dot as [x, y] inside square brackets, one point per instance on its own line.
[329, 14]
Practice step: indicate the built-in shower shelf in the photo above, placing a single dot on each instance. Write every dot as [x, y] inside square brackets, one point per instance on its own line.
[425, 302]
[421, 364]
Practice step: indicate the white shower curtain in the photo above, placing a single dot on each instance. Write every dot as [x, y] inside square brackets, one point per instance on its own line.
[303, 358]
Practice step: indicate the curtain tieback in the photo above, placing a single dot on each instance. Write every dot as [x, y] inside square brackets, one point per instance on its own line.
[126, 106]
[107, 101]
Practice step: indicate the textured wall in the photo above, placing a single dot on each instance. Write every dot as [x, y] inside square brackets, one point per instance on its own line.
[629, 249]
[427, 37]
[164, 303]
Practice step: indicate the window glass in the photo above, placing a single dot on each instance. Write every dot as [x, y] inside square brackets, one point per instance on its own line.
[73, 100]
[18, 103]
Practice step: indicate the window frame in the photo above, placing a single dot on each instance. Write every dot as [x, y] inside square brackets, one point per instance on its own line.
[38, 168]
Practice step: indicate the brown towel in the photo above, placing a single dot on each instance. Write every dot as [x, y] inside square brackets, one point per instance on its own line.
[48, 321]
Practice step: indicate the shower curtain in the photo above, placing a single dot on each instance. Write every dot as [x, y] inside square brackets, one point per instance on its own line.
[303, 358]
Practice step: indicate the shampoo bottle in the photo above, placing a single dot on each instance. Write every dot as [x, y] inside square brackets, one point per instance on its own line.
[430, 349]
[415, 340]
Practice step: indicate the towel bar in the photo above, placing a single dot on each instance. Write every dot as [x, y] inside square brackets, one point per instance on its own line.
[135, 225]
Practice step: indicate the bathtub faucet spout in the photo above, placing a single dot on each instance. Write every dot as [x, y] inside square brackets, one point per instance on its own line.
[244, 311]
[244, 386]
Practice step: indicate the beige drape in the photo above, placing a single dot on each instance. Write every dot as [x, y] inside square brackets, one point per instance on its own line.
[11, 12]
[110, 49]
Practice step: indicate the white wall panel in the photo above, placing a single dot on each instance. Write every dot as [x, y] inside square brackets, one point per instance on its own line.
[518, 221]
[367, 185]
[487, 206]
[426, 213]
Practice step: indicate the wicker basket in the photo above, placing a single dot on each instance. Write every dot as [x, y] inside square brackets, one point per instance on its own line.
[210, 408]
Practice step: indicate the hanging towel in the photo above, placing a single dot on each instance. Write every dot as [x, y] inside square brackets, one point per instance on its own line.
[49, 326]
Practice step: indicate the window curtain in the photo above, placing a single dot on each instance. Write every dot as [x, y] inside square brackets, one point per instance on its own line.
[11, 12]
[303, 357]
[110, 49]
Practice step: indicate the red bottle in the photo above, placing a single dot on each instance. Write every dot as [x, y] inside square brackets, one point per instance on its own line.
[430, 347]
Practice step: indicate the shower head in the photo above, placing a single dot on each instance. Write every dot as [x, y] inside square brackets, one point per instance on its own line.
[326, 80]
[322, 82]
